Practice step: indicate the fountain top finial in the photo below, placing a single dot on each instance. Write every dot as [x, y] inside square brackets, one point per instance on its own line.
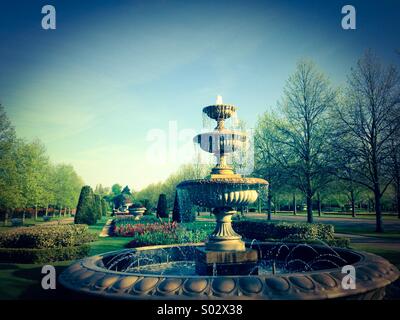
[219, 100]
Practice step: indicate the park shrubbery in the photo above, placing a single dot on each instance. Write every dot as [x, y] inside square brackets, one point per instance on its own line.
[46, 236]
[88, 209]
[45, 243]
[292, 232]
[21, 255]
[162, 208]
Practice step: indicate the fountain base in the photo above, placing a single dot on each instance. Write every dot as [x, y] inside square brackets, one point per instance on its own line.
[224, 238]
[210, 262]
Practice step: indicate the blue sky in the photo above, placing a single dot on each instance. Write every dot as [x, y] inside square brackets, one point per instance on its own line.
[93, 89]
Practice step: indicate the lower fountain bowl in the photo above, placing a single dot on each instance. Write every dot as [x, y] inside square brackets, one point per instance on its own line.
[152, 273]
[223, 192]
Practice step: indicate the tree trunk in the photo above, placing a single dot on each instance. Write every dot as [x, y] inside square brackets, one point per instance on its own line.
[36, 212]
[47, 211]
[378, 209]
[310, 218]
[398, 203]
[259, 204]
[294, 204]
[269, 200]
[6, 216]
[319, 203]
[397, 187]
[353, 204]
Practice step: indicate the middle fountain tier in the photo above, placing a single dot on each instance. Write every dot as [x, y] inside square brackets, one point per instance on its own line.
[225, 191]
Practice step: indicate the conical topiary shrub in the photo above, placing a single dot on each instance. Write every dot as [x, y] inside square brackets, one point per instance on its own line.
[176, 215]
[98, 207]
[86, 210]
[104, 207]
[162, 211]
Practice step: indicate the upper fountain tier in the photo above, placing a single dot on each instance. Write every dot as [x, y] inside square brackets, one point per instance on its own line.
[220, 112]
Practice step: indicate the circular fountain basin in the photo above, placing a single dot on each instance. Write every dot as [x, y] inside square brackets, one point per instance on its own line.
[224, 192]
[166, 272]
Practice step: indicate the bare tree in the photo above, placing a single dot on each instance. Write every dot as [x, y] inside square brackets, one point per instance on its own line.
[304, 130]
[395, 167]
[369, 117]
[266, 154]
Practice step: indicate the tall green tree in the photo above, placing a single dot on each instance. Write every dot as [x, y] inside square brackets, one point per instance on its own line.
[66, 186]
[102, 191]
[116, 189]
[10, 190]
[34, 174]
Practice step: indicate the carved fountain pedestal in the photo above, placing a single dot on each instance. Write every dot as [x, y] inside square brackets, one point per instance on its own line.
[224, 252]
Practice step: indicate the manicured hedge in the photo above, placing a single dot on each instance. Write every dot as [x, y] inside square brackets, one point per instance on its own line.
[46, 236]
[21, 255]
[45, 243]
[263, 231]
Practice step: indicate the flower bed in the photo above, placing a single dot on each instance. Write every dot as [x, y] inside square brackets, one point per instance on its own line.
[129, 230]
[158, 233]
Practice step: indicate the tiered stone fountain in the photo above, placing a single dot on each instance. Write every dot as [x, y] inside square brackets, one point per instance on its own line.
[225, 252]
[226, 267]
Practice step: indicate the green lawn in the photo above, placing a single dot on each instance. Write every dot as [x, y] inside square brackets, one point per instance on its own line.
[353, 229]
[393, 255]
[359, 215]
[389, 234]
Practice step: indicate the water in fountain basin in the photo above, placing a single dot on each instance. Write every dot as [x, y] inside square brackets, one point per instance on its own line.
[180, 260]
